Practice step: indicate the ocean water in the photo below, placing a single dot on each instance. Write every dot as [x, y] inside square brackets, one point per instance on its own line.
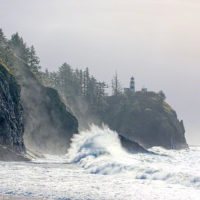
[98, 168]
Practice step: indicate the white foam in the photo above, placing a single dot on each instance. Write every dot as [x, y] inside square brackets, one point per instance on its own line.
[97, 167]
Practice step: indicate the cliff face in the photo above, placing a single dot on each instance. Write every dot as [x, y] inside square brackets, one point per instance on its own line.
[49, 126]
[11, 113]
[146, 118]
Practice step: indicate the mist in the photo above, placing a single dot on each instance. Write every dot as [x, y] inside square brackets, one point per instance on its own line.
[155, 41]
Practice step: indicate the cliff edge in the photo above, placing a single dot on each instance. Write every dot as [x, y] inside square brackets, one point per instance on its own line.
[11, 117]
[146, 118]
[49, 125]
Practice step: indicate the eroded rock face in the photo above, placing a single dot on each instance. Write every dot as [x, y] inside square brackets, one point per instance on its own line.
[11, 112]
[49, 125]
[146, 118]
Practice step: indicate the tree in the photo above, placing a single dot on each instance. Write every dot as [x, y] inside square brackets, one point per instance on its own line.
[86, 80]
[65, 78]
[19, 47]
[116, 86]
[2, 38]
[162, 95]
[78, 79]
[33, 60]
[6, 53]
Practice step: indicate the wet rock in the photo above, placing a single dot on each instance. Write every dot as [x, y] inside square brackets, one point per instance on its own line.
[11, 112]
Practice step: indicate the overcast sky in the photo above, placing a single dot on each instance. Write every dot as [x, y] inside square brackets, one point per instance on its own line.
[156, 41]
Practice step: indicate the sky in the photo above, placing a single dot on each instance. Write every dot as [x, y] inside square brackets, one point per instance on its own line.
[156, 41]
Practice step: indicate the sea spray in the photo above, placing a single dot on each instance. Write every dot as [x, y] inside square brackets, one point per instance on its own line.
[104, 173]
[98, 151]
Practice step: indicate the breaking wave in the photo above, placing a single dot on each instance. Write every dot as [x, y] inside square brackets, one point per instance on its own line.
[98, 151]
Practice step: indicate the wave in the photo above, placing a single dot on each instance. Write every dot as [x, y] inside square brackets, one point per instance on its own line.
[99, 151]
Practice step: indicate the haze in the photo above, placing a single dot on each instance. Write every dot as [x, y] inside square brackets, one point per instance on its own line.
[156, 41]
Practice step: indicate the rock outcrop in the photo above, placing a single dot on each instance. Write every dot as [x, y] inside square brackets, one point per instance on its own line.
[131, 146]
[146, 118]
[8, 154]
[11, 116]
[49, 125]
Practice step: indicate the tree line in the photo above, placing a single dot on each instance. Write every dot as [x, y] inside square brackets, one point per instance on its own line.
[16, 47]
[84, 94]
[71, 83]
[66, 80]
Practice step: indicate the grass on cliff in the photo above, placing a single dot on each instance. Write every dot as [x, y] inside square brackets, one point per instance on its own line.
[167, 107]
[3, 65]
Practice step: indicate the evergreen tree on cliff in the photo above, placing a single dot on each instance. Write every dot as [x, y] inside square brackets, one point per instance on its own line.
[33, 60]
[19, 47]
[5, 51]
[116, 86]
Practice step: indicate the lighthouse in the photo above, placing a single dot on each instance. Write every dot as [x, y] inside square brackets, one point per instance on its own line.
[131, 88]
[132, 84]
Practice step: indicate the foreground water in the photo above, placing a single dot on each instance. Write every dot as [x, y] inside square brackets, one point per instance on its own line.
[97, 167]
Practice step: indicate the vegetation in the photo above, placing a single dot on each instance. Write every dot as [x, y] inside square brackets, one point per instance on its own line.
[16, 47]
[141, 116]
[82, 92]
[73, 84]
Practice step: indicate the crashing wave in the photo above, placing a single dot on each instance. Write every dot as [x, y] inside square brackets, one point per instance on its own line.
[99, 151]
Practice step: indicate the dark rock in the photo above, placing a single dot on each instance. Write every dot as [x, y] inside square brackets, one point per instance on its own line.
[7, 154]
[131, 146]
[49, 125]
[146, 118]
[11, 112]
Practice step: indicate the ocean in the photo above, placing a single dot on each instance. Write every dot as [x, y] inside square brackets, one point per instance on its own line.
[96, 167]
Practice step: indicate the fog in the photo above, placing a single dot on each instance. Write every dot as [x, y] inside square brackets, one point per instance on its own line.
[156, 41]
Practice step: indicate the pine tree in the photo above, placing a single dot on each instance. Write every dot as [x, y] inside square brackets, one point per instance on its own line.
[33, 60]
[116, 86]
[162, 95]
[87, 82]
[85, 77]
[19, 47]
[5, 51]
[2, 38]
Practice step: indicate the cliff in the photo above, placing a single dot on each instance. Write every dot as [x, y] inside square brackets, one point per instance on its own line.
[146, 118]
[49, 125]
[11, 117]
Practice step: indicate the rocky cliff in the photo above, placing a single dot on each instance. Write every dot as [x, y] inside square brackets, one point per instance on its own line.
[146, 118]
[49, 126]
[11, 116]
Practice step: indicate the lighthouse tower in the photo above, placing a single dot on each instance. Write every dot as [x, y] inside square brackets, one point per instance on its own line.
[132, 84]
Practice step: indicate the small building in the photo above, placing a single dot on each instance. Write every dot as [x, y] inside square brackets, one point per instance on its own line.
[144, 89]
